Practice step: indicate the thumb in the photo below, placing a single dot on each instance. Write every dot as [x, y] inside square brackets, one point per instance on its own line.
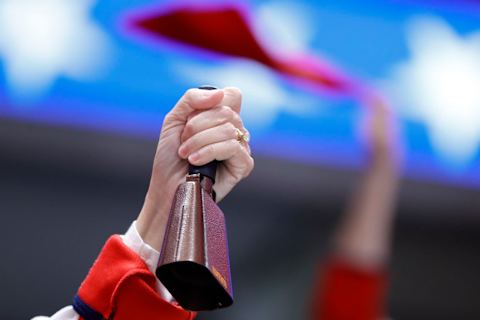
[192, 100]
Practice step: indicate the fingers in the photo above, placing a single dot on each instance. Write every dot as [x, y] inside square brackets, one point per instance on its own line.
[223, 132]
[211, 124]
[223, 150]
[209, 119]
[192, 100]
[232, 98]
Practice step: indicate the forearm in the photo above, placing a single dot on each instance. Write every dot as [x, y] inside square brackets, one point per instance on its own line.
[364, 234]
[153, 218]
[354, 280]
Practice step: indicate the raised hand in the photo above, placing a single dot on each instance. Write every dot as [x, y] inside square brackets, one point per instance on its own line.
[204, 125]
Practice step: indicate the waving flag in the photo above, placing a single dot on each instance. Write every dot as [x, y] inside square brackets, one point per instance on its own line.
[226, 31]
[288, 57]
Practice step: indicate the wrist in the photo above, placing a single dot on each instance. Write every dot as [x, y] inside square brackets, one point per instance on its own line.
[153, 219]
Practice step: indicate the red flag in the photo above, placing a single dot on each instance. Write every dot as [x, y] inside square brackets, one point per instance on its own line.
[225, 30]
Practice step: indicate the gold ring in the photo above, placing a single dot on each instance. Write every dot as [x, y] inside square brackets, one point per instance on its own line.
[242, 136]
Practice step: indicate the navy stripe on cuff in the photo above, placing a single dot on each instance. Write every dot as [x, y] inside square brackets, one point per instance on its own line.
[84, 310]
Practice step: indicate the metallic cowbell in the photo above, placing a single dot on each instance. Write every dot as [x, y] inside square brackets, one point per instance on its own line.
[194, 263]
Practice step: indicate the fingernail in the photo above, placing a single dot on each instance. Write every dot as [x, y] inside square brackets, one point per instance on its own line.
[182, 151]
[194, 157]
[208, 93]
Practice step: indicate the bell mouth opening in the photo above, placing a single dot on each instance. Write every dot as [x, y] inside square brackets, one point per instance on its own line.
[193, 286]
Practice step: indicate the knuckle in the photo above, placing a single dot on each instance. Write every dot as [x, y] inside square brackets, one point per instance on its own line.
[230, 129]
[187, 96]
[188, 129]
[225, 111]
[236, 117]
[210, 150]
[251, 163]
[224, 114]
[248, 168]
[235, 145]
[229, 112]
[191, 99]
[168, 117]
[189, 147]
[234, 92]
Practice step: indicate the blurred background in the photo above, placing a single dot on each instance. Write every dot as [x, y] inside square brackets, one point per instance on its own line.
[84, 87]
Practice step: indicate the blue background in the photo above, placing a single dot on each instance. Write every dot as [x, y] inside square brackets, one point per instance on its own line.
[365, 39]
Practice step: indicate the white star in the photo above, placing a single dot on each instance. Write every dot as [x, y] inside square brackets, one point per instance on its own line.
[440, 86]
[41, 40]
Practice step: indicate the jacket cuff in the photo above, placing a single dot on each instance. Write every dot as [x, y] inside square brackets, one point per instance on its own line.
[120, 286]
[347, 292]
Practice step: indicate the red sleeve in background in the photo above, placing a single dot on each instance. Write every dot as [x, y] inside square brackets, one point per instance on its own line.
[120, 286]
[347, 292]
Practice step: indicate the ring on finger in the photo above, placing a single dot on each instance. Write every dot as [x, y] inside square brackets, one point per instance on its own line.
[242, 136]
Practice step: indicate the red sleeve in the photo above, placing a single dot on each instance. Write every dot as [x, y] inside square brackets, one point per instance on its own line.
[120, 286]
[345, 292]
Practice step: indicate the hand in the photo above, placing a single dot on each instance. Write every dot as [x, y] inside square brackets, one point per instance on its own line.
[380, 133]
[200, 128]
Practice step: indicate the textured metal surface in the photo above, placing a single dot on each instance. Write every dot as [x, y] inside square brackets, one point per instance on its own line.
[194, 265]
[216, 242]
[184, 240]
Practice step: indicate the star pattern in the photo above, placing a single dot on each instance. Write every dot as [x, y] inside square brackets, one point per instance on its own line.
[440, 86]
[41, 40]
